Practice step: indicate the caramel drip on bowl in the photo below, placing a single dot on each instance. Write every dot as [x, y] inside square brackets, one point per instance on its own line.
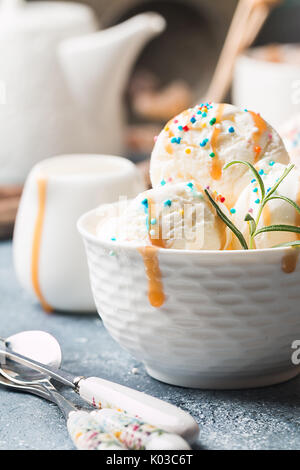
[36, 244]
[289, 261]
[156, 294]
[216, 166]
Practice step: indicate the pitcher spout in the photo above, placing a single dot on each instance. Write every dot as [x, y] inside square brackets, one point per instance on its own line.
[97, 65]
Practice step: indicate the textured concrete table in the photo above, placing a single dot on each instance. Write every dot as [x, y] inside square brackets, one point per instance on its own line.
[252, 419]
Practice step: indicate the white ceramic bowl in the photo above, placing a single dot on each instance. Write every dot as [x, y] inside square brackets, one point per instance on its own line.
[228, 321]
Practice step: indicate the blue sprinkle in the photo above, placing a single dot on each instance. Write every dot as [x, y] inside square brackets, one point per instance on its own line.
[203, 143]
[180, 128]
[199, 112]
[175, 140]
[257, 201]
[231, 129]
[153, 221]
[113, 239]
[232, 211]
[269, 189]
[193, 120]
[145, 202]
[261, 172]
[162, 183]
[204, 114]
[246, 110]
[168, 203]
[190, 185]
[272, 163]
[255, 190]
[253, 181]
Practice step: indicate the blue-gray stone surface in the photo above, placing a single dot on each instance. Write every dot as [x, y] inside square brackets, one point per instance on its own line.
[266, 418]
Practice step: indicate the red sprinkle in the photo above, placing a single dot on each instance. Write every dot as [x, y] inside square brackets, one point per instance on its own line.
[155, 138]
[222, 199]
[186, 128]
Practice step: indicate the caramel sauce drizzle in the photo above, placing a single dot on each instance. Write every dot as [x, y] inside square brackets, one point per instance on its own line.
[216, 166]
[289, 262]
[36, 243]
[156, 294]
[261, 125]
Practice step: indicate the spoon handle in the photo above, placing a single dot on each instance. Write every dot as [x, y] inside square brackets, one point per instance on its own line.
[104, 394]
[86, 433]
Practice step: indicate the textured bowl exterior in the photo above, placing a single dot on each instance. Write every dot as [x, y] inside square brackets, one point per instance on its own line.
[228, 321]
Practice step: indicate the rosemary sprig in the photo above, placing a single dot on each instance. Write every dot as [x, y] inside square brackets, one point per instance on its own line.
[265, 198]
[227, 221]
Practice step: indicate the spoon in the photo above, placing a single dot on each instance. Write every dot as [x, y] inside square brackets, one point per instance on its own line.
[84, 430]
[98, 392]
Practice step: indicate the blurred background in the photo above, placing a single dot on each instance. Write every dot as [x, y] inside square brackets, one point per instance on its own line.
[176, 67]
[103, 76]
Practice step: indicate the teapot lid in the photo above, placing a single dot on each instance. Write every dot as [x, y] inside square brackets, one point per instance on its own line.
[18, 15]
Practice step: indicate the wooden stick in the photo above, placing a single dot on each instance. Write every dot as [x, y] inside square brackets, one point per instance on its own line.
[236, 40]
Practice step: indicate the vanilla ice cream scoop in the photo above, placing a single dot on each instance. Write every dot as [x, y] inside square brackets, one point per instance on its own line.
[178, 216]
[275, 212]
[290, 133]
[197, 143]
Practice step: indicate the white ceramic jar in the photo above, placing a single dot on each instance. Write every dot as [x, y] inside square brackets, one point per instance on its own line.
[229, 317]
[271, 88]
[48, 253]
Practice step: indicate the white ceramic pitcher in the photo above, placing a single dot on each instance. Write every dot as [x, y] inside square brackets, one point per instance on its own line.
[61, 81]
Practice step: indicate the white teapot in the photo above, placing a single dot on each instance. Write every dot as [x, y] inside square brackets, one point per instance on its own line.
[61, 81]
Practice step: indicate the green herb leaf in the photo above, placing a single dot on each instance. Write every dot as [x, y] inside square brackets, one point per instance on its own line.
[283, 176]
[228, 222]
[284, 198]
[295, 244]
[254, 171]
[278, 228]
[251, 223]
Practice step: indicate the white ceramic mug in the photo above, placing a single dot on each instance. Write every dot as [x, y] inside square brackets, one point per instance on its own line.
[271, 88]
[48, 253]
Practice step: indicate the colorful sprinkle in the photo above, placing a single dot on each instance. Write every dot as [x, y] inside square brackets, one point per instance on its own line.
[155, 138]
[153, 221]
[231, 129]
[232, 211]
[203, 143]
[253, 181]
[193, 120]
[272, 163]
[186, 128]
[212, 154]
[113, 239]
[175, 140]
[190, 185]
[204, 114]
[187, 151]
[261, 172]
[168, 203]
[255, 190]
[162, 183]
[145, 202]
[257, 201]
[213, 121]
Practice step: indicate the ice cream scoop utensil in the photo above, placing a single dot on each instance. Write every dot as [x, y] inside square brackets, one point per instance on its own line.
[105, 394]
[83, 428]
